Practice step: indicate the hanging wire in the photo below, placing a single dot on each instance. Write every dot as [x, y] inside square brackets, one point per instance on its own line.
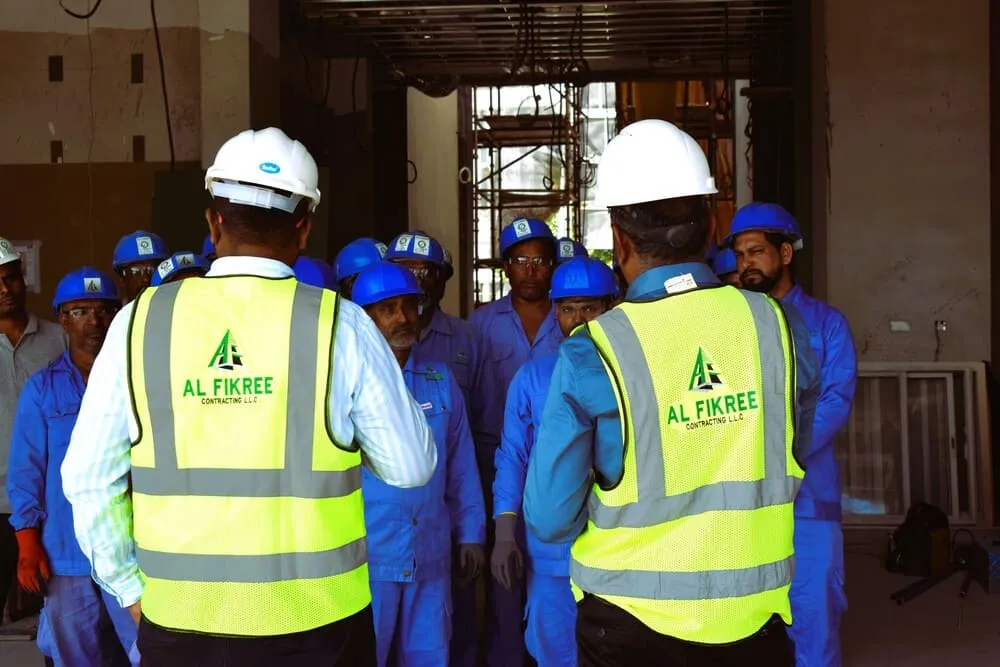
[84, 16]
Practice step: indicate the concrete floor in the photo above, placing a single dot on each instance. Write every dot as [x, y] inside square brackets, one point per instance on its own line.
[934, 629]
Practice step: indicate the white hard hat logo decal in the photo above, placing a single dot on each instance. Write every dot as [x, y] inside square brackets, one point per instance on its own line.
[144, 245]
[422, 246]
[92, 285]
[521, 228]
[165, 267]
[403, 242]
[269, 168]
[6, 247]
[186, 259]
[565, 249]
[381, 249]
[447, 255]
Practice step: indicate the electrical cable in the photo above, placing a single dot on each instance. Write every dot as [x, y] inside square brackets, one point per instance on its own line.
[938, 343]
[86, 15]
[163, 83]
[90, 140]
[354, 101]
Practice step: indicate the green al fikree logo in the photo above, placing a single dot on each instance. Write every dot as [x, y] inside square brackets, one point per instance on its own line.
[236, 388]
[710, 401]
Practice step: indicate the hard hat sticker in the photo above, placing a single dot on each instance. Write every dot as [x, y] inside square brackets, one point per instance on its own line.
[92, 285]
[144, 245]
[403, 242]
[381, 249]
[422, 246]
[565, 249]
[185, 259]
[165, 267]
[521, 228]
[269, 168]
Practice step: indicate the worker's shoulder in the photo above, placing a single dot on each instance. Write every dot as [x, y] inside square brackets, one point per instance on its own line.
[487, 312]
[818, 314]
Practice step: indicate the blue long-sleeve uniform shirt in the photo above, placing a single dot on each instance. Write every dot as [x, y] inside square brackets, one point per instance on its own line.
[46, 414]
[831, 341]
[522, 422]
[410, 531]
[457, 343]
[507, 349]
[581, 427]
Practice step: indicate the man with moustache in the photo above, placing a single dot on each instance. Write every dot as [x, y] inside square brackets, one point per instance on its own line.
[765, 238]
[27, 345]
[410, 530]
[76, 612]
[514, 329]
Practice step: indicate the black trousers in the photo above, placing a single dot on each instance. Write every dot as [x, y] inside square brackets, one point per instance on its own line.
[347, 643]
[608, 636]
[8, 561]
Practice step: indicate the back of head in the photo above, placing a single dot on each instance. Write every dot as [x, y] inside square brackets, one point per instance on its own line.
[653, 178]
[263, 186]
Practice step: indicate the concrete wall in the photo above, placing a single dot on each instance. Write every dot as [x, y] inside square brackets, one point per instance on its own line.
[432, 146]
[908, 220]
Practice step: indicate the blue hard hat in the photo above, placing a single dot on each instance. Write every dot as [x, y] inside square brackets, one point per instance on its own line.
[84, 284]
[416, 245]
[449, 269]
[356, 256]
[139, 246]
[713, 251]
[179, 261]
[207, 247]
[315, 272]
[724, 262]
[583, 277]
[524, 229]
[765, 217]
[567, 249]
[384, 280]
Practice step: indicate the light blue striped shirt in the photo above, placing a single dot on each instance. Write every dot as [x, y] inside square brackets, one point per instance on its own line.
[369, 403]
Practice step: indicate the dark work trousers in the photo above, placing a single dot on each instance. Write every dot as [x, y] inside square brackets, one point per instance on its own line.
[8, 561]
[608, 636]
[347, 643]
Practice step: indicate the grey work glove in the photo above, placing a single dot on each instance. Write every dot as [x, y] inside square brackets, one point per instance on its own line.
[507, 561]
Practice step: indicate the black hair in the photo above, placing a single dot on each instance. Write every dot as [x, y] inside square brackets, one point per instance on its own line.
[777, 240]
[258, 226]
[665, 231]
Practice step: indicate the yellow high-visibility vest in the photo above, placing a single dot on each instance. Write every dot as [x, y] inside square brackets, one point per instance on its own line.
[248, 518]
[695, 540]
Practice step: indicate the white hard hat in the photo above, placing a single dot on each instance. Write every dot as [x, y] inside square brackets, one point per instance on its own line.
[8, 253]
[253, 164]
[651, 160]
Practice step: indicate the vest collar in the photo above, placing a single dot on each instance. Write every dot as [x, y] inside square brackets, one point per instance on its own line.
[255, 266]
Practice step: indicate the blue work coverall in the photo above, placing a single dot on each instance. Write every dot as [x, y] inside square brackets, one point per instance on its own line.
[410, 531]
[80, 620]
[581, 427]
[817, 593]
[551, 609]
[507, 349]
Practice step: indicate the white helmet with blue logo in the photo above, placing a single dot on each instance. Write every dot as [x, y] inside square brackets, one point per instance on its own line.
[264, 168]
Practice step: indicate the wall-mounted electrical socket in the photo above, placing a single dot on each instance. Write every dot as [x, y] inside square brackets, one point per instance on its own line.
[899, 326]
[940, 326]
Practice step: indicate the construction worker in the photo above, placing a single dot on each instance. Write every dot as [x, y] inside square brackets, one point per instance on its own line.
[27, 345]
[179, 266]
[567, 249]
[354, 258]
[514, 329]
[454, 341]
[410, 530]
[582, 289]
[724, 266]
[50, 560]
[135, 260]
[225, 457]
[667, 446]
[315, 272]
[765, 238]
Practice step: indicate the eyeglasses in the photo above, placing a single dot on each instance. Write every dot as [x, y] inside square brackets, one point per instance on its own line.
[81, 312]
[421, 272]
[529, 261]
[144, 270]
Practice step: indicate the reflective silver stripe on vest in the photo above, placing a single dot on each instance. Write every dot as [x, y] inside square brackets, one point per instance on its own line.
[297, 479]
[711, 585]
[253, 569]
[654, 506]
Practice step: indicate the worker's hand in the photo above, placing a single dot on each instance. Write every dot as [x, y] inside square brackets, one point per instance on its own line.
[135, 611]
[507, 561]
[473, 558]
[32, 563]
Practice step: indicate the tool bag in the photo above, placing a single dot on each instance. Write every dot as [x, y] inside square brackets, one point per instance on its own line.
[919, 547]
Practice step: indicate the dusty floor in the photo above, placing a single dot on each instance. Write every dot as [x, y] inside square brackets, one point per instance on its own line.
[934, 629]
